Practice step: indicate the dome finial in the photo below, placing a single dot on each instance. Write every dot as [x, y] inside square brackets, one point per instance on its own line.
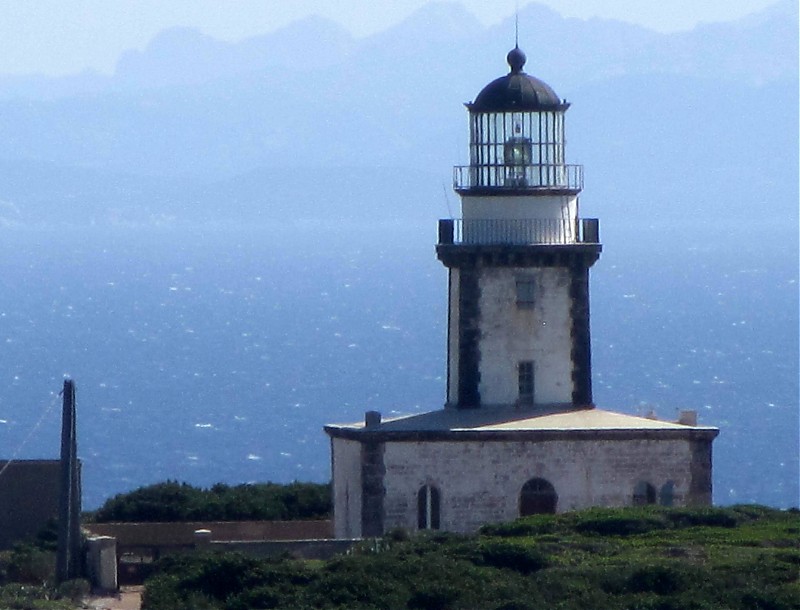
[516, 59]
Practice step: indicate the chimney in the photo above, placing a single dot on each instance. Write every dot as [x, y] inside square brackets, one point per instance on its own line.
[372, 419]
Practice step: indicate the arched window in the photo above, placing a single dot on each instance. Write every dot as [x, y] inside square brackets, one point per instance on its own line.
[644, 494]
[428, 508]
[667, 494]
[538, 496]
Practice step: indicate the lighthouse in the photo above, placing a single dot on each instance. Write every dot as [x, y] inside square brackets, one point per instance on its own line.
[519, 258]
[519, 432]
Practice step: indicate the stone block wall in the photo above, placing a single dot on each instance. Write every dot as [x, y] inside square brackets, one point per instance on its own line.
[480, 482]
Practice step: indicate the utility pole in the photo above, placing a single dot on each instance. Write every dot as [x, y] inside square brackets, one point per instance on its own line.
[68, 560]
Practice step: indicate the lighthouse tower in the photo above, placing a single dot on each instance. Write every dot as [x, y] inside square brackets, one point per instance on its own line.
[519, 257]
[519, 433]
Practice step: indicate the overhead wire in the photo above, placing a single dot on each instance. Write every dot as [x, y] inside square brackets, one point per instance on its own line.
[36, 426]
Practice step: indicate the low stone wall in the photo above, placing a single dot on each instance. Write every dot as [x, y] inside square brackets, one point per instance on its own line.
[138, 545]
[297, 549]
[182, 534]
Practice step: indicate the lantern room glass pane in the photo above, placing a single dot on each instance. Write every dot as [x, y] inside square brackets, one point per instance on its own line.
[517, 149]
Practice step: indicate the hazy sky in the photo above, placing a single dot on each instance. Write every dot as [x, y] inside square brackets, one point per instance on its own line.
[61, 37]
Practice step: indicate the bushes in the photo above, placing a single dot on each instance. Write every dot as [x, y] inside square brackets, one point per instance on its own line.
[173, 501]
[74, 590]
[19, 596]
[31, 565]
[24, 597]
[434, 597]
[631, 521]
[709, 517]
[526, 526]
[574, 566]
[617, 523]
[662, 579]
[522, 559]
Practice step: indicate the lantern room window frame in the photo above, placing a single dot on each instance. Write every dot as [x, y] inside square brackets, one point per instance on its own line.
[517, 149]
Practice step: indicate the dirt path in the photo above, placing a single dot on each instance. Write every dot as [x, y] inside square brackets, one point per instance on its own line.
[129, 598]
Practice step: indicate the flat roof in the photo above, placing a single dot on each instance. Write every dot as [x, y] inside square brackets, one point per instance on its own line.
[510, 419]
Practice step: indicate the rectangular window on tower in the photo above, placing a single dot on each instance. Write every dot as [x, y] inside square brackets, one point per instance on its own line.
[526, 291]
[525, 378]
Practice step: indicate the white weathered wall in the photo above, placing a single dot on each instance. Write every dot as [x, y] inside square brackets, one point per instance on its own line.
[101, 562]
[480, 482]
[346, 488]
[510, 334]
[520, 207]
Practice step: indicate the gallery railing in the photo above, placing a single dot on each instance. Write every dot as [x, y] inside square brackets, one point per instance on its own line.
[545, 231]
[519, 177]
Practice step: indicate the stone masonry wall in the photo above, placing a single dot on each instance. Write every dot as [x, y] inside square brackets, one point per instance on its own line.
[510, 334]
[480, 482]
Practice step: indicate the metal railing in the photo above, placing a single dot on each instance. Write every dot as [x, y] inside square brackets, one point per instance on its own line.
[519, 177]
[545, 231]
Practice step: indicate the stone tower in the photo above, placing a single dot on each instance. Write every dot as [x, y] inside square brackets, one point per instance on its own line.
[519, 257]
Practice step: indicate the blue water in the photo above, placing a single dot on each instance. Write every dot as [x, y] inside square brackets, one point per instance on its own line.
[217, 354]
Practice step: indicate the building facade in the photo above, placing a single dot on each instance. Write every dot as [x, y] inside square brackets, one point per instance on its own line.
[29, 495]
[519, 433]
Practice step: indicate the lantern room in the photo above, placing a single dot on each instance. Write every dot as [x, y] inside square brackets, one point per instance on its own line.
[518, 188]
[517, 138]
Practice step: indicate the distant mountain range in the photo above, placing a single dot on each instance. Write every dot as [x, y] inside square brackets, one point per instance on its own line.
[308, 122]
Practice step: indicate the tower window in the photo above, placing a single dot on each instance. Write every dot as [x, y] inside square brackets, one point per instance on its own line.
[428, 508]
[525, 378]
[526, 292]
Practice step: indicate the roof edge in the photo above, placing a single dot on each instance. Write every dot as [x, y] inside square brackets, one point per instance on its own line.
[691, 433]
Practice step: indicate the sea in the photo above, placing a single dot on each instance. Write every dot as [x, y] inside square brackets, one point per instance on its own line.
[213, 353]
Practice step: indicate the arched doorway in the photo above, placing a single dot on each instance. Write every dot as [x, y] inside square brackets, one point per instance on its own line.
[643, 494]
[538, 496]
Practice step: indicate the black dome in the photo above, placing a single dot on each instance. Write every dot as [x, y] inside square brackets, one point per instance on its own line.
[517, 91]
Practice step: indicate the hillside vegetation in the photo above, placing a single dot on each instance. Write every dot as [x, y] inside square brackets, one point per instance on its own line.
[172, 501]
[743, 557]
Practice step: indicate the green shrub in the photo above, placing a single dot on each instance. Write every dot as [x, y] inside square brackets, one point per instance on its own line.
[771, 599]
[258, 597]
[31, 565]
[173, 501]
[162, 593]
[74, 590]
[675, 565]
[708, 517]
[522, 559]
[615, 522]
[753, 512]
[27, 597]
[220, 575]
[47, 537]
[437, 596]
[518, 604]
[659, 579]
[525, 526]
